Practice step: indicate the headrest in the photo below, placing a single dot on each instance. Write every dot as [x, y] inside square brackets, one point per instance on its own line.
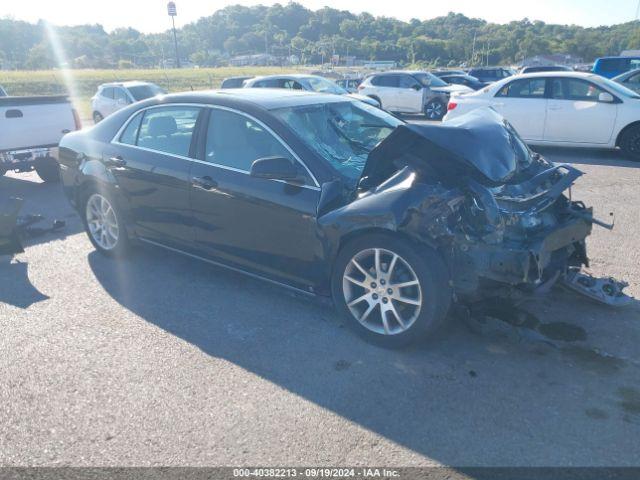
[162, 126]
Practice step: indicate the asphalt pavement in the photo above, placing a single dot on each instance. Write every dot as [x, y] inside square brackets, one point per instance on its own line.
[161, 360]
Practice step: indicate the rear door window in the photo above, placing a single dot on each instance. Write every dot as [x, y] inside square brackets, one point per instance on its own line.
[168, 129]
[107, 93]
[130, 134]
[524, 88]
[386, 81]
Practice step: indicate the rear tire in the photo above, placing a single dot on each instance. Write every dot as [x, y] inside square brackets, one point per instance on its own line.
[103, 222]
[412, 292]
[630, 142]
[48, 170]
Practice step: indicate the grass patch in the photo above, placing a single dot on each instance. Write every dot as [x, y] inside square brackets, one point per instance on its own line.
[50, 82]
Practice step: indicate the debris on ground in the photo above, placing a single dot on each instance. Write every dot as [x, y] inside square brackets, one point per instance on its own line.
[605, 290]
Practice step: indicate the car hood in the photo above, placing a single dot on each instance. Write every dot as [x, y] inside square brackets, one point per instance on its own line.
[452, 89]
[480, 144]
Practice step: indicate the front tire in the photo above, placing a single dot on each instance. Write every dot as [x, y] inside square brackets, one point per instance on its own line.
[630, 142]
[48, 170]
[435, 110]
[104, 224]
[391, 292]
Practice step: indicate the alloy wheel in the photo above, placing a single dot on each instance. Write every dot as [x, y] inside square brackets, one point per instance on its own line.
[434, 110]
[102, 222]
[382, 291]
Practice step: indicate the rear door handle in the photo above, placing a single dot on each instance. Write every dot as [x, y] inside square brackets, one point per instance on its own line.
[204, 183]
[116, 161]
[554, 107]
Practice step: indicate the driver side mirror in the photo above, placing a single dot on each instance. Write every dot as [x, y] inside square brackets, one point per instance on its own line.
[606, 97]
[417, 87]
[275, 168]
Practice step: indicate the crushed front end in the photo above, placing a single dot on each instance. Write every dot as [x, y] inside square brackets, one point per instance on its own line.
[501, 215]
[525, 235]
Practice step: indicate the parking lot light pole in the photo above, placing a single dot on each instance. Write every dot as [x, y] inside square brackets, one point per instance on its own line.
[171, 10]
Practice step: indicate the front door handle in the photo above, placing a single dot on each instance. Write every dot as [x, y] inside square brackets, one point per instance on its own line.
[116, 161]
[204, 183]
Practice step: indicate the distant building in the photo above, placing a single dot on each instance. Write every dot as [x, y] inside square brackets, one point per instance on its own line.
[381, 65]
[257, 60]
[551, 59]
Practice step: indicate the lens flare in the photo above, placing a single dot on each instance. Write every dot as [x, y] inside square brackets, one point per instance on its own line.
[62, 62]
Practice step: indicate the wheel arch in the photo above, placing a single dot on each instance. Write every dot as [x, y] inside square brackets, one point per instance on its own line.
[628, 127]
[353, 235]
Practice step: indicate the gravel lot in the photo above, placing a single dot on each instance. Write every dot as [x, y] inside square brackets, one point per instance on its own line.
[161, 360]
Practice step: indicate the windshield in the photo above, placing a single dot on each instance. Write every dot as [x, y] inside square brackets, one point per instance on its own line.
[322, 85]
[342, 133]
[618, 88]
[140, 92]
[429, 80]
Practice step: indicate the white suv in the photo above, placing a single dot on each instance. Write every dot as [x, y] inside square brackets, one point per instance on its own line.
[111, 97]
[411, 92]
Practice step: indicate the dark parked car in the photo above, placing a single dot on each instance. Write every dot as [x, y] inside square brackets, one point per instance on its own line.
[491, 74]
[464, 79]
[330, 197]
[350, 84]
[630, 79]
[234, 82]
[546, 68]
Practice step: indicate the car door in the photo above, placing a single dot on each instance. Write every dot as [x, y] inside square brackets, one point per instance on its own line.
[523, 103]
[264, 226]
[411, 95]
[388, 90]
[575, 113]
[151, 160]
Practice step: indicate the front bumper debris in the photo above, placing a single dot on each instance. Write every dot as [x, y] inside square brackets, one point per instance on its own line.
[604, 290]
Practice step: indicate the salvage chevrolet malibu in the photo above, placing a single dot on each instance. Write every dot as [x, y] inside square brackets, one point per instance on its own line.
[333, 198]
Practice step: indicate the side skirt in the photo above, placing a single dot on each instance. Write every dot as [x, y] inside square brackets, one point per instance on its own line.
[234, 269]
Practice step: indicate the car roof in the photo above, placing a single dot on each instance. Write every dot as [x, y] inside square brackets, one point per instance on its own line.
[395, 72]
[569, 74]
[267, 98]
[128, 83]
[292, 76]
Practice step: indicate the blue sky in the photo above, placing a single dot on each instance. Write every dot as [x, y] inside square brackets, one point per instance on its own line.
[150, 15]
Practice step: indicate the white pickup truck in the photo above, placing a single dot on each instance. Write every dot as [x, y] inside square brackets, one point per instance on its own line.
[30, 130]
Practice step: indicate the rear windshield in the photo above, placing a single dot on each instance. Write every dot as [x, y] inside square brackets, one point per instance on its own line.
[140, 92]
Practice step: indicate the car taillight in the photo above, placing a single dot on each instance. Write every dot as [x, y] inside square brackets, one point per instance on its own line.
[451, 106]
[76, 119]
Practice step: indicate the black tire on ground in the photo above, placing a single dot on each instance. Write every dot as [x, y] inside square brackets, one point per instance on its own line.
[435, 109]
[48, 170]
[431, 272]
[630, 142]
[122, 246]
[97, 117]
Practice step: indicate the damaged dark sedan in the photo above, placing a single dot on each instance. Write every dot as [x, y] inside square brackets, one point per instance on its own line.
[334, 198]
